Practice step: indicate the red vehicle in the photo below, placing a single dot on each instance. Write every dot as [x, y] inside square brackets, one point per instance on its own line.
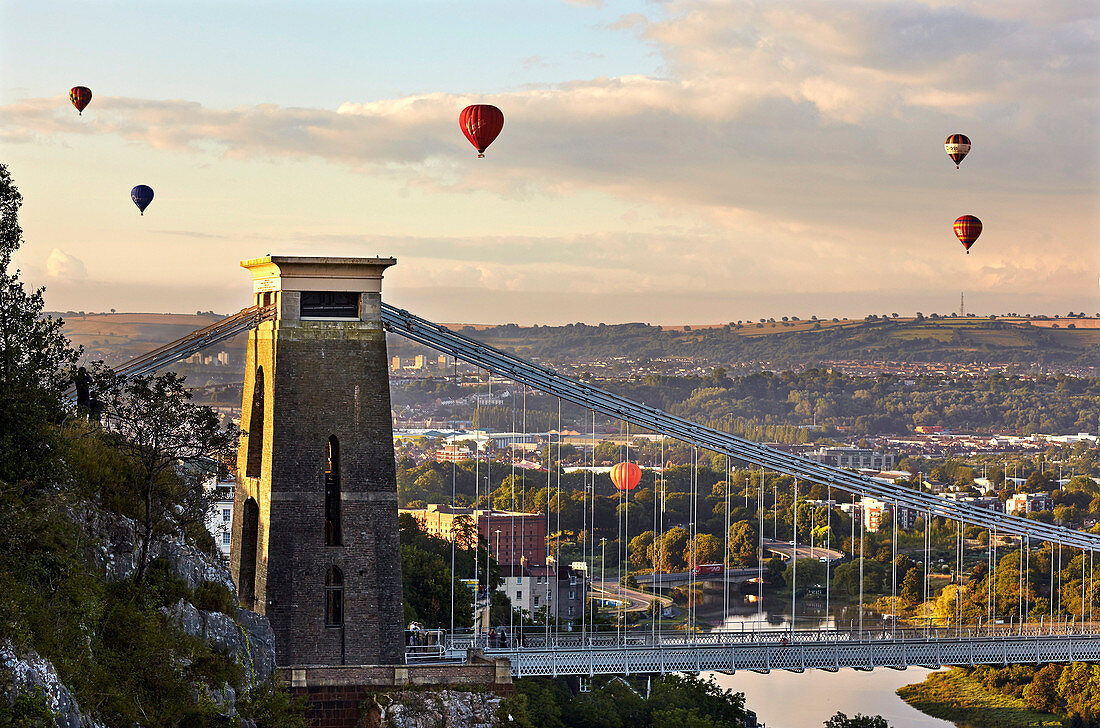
[700, 569]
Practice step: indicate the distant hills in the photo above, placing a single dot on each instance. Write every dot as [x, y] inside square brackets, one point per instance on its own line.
[1052, 343]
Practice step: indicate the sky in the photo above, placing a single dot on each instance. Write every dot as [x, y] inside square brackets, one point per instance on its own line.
[671, 162]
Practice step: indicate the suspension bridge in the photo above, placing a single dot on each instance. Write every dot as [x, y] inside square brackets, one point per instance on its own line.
[998, 638]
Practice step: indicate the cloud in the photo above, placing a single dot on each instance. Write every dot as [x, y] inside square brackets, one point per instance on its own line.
[61, 265]
[802, 140]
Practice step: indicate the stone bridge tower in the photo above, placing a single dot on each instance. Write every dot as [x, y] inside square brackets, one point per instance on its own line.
[315, 536]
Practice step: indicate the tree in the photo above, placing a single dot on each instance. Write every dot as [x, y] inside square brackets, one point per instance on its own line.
[912, 587]
[35, 359]
[810, 571]
[641, 550]
[743, 544]
[175, 444]
[706, 549]
[840, 720]
[670, 555]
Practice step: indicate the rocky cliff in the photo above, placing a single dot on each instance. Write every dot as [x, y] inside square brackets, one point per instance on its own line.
[111, 546]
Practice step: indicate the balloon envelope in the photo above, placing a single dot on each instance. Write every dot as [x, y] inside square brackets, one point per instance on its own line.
[81, 96]
[481, 123]
[626, 476]
[957, 147]
[967, 230]
[142, 195]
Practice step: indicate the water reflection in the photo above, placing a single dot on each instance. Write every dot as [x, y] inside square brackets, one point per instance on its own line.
[799, 700]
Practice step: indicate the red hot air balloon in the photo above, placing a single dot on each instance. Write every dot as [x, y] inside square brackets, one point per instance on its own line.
[81, 96]
[967, 229]
[626, 476]
[957, 147]
[481, 123]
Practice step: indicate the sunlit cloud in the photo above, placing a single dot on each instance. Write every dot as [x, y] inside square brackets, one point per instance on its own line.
[792, 146]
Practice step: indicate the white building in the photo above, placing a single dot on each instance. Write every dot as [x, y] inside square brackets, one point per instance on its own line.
[219, 519]
[853, 457]
[874, 509]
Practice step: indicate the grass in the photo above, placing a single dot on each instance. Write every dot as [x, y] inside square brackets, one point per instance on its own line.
[955, 696]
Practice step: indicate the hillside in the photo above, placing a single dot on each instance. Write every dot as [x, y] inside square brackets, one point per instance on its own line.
[1059, 344]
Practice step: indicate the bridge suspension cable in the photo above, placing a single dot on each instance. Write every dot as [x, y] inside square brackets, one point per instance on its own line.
[546, 380]
[180, 349]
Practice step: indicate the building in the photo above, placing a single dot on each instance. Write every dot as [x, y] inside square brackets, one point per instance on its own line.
[533, 588]
[1029, 503]
[990, 503]
[874, 510]
[512, 536]
[219, 519]
[453, 453]
[395, 364]
[853, 457]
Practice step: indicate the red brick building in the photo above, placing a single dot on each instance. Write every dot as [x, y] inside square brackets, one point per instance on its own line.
[511, 535]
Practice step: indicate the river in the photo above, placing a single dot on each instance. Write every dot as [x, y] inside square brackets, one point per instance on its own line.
[805, 700]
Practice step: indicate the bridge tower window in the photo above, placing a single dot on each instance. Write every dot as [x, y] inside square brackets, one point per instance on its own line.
[333, 536]
[334, 598]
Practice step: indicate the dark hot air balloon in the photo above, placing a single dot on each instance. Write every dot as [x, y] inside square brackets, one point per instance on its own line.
[957, 147]
[626, 476]
[142, 195]
[967, 229]
[81, 96]
[481, 123]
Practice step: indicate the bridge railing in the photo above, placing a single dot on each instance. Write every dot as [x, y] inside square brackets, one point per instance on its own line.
[761, 633]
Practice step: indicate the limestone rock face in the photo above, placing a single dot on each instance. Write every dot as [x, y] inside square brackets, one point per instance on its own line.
[24, 673]
[438, 709]
[115, 551]
[248, 640]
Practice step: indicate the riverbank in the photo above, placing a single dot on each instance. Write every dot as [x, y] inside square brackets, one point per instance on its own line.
[956, 696]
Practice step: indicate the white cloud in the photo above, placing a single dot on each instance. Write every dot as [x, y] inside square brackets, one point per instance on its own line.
[803, 138]
[61, 265]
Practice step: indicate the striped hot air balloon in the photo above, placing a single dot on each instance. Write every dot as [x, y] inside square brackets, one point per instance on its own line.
[967, 230]
[81, 96]
[957, 147]
[481, 123]
[626, 476]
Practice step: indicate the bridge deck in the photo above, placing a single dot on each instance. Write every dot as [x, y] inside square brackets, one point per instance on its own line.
[763, 651]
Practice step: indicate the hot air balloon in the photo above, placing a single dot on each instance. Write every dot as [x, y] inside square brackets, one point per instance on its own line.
[967, 229]
[81, 96]
[481, 123]
[957, 146]
[625, 476]
[142, 195]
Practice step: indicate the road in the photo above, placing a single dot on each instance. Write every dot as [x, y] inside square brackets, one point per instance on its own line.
[636, 601]
[804, 551]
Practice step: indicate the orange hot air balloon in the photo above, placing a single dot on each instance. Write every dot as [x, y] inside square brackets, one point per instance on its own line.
[481, 123]
[967, 230]
[626, 476]
[81, 96]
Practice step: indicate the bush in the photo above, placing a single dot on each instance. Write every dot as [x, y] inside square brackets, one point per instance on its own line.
[211, 596]
[270, 706]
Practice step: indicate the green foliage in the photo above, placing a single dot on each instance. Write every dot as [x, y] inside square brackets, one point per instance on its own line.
[211, 596]
[426, 578]
[270, 706]
[28, 710]
[675, 701]
[35, 361]
[840, 720]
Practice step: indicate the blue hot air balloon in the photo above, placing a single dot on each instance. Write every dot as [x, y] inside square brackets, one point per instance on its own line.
[142, 195]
